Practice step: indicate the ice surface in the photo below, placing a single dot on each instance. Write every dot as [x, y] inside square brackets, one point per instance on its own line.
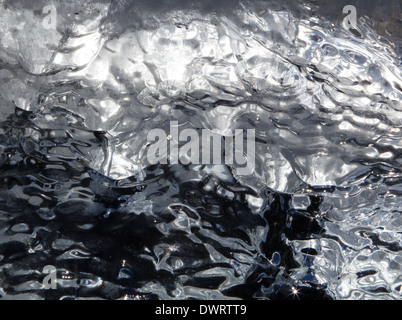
[76, 104]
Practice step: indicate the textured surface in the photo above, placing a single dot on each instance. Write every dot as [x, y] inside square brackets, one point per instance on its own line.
[319, 218]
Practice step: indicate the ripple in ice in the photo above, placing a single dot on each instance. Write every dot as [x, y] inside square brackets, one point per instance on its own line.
[319, 217]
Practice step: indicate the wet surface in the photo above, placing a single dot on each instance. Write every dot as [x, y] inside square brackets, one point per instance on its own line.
[319, 218]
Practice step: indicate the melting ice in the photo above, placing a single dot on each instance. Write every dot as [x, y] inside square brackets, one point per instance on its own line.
[321, 214]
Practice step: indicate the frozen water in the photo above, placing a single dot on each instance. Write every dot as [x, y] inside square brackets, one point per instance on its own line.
[322, 210]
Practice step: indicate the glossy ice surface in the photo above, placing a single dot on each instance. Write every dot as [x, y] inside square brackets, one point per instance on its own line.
[319, 218]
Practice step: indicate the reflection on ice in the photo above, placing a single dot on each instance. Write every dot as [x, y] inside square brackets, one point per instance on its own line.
[321, 210]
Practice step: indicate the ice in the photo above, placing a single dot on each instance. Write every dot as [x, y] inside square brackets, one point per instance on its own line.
[321, 208]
